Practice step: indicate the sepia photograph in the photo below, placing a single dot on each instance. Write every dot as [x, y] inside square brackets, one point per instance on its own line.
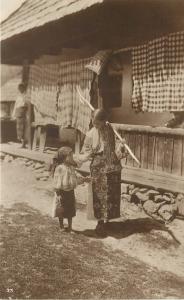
[91, 149]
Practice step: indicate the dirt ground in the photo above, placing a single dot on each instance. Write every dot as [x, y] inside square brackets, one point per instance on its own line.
[138, 259]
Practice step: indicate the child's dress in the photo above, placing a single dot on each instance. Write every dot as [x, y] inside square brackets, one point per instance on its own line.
[65, 181]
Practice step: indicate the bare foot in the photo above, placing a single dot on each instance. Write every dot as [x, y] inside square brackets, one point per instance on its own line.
[70, 230]
[62, 229]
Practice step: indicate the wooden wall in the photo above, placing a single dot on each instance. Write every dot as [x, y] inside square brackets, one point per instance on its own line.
[158, 149]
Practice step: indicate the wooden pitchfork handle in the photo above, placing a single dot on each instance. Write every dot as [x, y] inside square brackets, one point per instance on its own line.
[84, 101]
[126, 146]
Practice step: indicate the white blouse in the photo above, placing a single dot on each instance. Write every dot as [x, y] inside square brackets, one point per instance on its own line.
[94, 144]
[65, 178]
[20, 102]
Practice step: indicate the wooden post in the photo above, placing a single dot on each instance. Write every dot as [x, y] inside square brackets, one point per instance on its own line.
[100, 101]
[36, 138]
[78, 142]
[25, 71]
[29, 129]
[43, 137]
[25, 77]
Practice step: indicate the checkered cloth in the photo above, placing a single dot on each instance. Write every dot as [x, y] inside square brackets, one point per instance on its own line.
[70, 111]
[52, 89]
[43, 89]
[98, 61]
[158, 75]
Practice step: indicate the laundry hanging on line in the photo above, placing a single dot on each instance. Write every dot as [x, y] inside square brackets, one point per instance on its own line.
[43, 89]
[52, 89]
[70, 111]
[158, 74]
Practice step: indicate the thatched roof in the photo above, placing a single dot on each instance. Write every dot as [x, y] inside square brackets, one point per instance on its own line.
[36, 13]
[46, 27]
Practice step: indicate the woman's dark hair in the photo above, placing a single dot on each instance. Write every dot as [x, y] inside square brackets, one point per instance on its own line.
[100, 115]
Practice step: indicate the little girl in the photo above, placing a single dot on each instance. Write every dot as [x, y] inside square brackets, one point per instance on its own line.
[65, 181]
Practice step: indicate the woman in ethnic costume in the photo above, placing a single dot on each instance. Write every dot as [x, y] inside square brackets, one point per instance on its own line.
[105, 170]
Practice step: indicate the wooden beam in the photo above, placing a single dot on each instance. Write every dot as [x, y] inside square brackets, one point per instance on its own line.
[149, 129]
[153, 179]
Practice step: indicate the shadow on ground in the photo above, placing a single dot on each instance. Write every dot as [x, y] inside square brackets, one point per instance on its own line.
[123, 229]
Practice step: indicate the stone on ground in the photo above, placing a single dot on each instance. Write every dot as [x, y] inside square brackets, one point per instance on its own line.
[151, 207]
[8, 158]
[38, 166]
[142, 197]
[166, 212]
[152, 193]
[2, 155]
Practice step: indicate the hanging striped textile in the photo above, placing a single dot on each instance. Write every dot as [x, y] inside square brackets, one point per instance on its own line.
[98, 61]
[70, 111]
[43, 86]
[52, 89]
[158, 75]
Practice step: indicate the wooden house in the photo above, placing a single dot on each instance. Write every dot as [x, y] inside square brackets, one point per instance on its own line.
[43, 32]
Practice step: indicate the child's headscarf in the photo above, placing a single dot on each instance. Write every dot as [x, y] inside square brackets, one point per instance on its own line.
[60, 157]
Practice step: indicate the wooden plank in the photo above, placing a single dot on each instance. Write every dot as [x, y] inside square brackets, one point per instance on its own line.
[133, 175]
[177, 156]
[168, 154]
[43, 136]
[153, 179]
[25, 153]
[138, 146]
[131, 144]
[150, 178]
[125, 136]
[159, 154]
[128, 143]
[149, 129]
[144, 151]
[151, 151]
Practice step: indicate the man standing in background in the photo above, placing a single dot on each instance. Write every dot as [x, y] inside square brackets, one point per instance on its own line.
[19, 113]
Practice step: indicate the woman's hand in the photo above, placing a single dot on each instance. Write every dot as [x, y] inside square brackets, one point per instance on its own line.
[57, 191]
[88, 179]
[121, 151]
